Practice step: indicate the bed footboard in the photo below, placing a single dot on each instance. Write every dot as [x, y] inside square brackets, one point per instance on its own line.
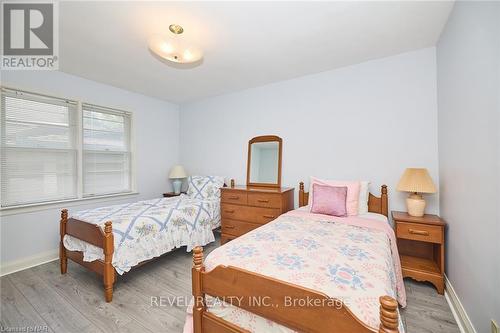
[276, 300]
[94, 235]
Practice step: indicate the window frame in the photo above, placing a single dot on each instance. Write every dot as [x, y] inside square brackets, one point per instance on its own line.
[80, 198]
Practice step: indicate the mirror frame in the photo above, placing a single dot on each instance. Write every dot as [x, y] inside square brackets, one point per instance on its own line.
[265, 138]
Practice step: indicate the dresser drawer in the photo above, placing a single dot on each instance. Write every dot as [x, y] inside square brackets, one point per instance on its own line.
[420, 232]
[234, 197]
[237, 228]
[249, 214]
[264, 200]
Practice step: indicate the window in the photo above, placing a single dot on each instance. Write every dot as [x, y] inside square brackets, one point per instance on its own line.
[54, 149]
[106, 151]
[38, 150]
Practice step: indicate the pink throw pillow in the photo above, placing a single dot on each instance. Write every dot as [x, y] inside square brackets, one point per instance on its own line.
[329, 200]
[352, 192]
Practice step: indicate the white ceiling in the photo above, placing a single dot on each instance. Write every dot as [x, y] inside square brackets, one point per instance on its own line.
[246, 44]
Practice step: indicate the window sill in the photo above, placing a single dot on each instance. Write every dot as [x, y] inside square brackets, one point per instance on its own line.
[21, 209]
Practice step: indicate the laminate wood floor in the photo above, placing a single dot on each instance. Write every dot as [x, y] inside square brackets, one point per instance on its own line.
[41, 297]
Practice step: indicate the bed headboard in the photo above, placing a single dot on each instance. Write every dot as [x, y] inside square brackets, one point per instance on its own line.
[378, 205]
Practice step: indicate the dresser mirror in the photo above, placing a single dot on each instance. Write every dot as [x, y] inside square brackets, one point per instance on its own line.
[264, 161]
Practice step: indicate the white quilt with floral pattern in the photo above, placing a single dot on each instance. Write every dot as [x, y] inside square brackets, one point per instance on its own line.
[147, 229]
[352, 259]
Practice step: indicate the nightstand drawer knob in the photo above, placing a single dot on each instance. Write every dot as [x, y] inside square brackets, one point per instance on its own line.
[263, 201]
[268, 216]
[229, 226]
[418, 232]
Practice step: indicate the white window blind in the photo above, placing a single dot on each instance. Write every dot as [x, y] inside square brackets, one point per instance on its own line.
[38, 148]
[106, 151]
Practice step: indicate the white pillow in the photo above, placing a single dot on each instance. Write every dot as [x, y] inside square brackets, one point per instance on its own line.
[363, 197]
[204, 187]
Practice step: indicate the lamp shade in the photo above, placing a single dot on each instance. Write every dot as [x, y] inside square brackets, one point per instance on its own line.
[416, 180]
[177, 172]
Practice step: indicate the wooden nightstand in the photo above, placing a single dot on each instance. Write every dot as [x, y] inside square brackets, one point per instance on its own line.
[172, 194]
[421, 247]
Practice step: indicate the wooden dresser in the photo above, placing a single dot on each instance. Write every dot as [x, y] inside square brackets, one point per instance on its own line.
[245, 208]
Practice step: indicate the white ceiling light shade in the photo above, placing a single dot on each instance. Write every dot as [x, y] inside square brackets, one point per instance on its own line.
[174, 48]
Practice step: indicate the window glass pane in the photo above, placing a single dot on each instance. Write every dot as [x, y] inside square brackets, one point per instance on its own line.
[106, 156]
[37, 175]
[32, 135]
[109, 183]
[105, 162]
[104, 122]
[106, 173]
[103, 131]
[38, 156]
[21, 109]
[98, 140]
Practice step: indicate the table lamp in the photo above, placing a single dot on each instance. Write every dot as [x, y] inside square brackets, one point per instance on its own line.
[177, 174]
[416, 181]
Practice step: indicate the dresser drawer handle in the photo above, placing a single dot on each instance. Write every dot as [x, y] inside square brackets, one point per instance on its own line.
[268, 216]
[233, 197]
[229, 211]
[263, 201]
[229, 226]
[418, 232]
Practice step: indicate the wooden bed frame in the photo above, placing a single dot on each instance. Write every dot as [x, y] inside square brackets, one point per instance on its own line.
[93, 234]
[250, 291]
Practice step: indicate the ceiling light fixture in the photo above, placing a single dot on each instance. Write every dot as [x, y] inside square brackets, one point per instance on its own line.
[174, 48]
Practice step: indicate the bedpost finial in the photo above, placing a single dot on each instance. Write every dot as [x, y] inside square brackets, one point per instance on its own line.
[384, 189]
[108, 227]
[301, 186]
[63, 223]
[388, 315]
[197, 257]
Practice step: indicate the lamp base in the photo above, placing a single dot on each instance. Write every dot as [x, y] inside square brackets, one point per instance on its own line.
[176, 184]
[415, 204]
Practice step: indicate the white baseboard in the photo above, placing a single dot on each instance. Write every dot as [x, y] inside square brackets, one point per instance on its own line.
[461, 317]
[38, 259]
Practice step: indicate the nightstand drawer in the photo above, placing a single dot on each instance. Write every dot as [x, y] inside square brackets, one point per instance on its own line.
[264, 200]
[237, 228]
[420, 232]
[234, 197]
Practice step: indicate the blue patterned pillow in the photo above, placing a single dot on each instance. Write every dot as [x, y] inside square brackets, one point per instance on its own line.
[204, 187]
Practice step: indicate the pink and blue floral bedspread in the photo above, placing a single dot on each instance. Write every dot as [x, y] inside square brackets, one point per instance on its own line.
[352, 259]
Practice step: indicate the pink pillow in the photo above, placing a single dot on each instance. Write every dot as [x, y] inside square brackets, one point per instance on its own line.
[329, 200]
[352, 192]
